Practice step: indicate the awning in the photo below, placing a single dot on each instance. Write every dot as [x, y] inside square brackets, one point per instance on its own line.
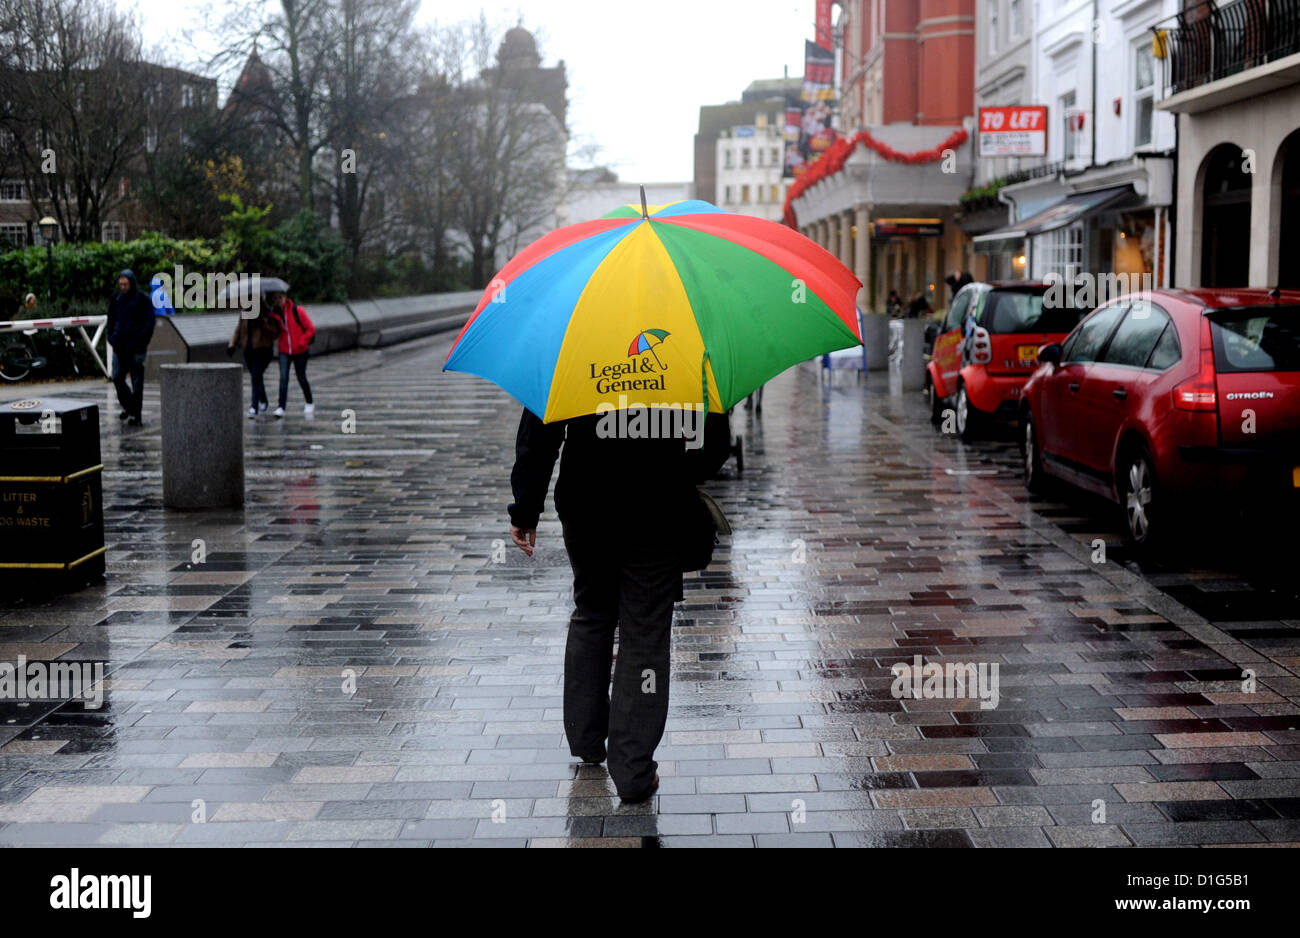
[1067, 211]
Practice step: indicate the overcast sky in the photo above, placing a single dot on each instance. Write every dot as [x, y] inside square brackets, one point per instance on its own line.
[638, 69]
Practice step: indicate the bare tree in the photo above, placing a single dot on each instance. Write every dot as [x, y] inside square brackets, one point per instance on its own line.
[293, 42]
[508, 167]
[425, 199]
[374, 66]
[72, 85]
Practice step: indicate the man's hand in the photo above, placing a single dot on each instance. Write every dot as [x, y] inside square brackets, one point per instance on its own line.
[525, 538]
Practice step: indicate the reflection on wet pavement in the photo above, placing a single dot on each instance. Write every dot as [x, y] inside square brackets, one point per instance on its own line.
[354, 658]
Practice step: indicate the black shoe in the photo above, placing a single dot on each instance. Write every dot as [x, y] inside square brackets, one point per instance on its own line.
[123, 415]
[645, 796]
[592, 760]
[134, 422]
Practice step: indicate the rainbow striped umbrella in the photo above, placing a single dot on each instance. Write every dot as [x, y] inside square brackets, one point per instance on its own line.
[676, 305]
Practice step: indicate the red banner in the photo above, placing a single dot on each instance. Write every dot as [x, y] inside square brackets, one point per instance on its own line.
[824, 23]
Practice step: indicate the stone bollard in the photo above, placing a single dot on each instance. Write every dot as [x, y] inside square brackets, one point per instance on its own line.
[912, 368]
[202, 435]
[875, 336]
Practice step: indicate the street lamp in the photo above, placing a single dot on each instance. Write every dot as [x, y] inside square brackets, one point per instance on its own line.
[49, 231]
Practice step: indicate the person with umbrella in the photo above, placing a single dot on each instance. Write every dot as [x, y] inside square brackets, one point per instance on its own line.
[686, 307]
[258, 339]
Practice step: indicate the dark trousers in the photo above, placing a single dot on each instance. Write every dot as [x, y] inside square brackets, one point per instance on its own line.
[130, 397]
[300, 369]
[615, 586]
[258, 360]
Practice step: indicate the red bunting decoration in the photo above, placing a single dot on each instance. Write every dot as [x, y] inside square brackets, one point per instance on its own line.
[837, 154]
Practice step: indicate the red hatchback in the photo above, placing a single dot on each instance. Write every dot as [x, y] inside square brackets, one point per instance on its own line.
[987, 348]
[1161, 395]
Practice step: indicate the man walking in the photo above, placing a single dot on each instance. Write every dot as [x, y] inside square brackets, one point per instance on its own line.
[625, 505]
[130, 329]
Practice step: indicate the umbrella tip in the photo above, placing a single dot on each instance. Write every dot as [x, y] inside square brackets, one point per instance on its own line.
[645, 211]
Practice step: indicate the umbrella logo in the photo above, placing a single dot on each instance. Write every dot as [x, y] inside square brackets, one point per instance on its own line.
[646, 341]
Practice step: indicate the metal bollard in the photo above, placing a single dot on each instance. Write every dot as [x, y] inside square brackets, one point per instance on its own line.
[202, 435]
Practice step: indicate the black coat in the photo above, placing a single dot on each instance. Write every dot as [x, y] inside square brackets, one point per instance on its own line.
[130, 320]
[641, 489]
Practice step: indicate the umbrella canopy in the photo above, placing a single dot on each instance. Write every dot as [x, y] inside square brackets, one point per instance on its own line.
[675, 305]
[243, 288]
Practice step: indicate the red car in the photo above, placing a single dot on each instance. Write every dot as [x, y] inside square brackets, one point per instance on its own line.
[986, 349]
[1158, 396]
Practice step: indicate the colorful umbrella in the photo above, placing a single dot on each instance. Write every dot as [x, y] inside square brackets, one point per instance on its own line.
[709, 306]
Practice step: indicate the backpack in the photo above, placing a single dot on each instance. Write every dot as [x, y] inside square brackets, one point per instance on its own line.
[298, 314]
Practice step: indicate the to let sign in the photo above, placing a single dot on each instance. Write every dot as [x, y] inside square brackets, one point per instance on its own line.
[1013, 131]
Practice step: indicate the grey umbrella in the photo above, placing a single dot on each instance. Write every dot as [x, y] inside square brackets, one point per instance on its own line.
[240, 293]
[248, 282]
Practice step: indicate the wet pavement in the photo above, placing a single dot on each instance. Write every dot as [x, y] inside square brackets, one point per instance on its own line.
[358, 660]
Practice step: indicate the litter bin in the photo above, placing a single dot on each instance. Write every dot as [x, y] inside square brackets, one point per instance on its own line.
[51, 495]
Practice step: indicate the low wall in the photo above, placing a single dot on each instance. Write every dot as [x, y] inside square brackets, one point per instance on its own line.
[183, 338]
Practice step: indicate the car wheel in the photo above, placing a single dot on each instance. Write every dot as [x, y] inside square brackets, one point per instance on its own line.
[934, 400]
[1140, 497]
[1033, 455]
[967, 416]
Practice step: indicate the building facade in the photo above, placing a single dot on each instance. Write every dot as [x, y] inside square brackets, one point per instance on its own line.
[593, 193]
[1230, 75]
[1100, 199]
[906, 88]
[170, 99]
[751, 166]
[758, 115]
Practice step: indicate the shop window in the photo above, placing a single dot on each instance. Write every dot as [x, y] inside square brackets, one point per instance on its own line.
[1059, 251]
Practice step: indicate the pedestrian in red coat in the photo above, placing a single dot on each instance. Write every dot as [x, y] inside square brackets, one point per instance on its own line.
[299, 331]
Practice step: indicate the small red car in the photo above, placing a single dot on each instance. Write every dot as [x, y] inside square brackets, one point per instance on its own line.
[1158, 396]
[986, 349]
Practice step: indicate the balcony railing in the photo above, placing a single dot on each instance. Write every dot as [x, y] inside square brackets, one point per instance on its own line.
[1207, 42]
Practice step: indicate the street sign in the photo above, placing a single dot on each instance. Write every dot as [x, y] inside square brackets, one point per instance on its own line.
[1013, 131]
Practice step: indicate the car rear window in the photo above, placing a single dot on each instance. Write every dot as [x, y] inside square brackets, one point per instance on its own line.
[1021, 311]
[1257, 338]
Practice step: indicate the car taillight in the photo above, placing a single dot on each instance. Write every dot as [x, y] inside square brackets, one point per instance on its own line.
[1200, 393]
[981, 346]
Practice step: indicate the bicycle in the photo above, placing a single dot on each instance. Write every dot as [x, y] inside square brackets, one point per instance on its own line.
[20, 357]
